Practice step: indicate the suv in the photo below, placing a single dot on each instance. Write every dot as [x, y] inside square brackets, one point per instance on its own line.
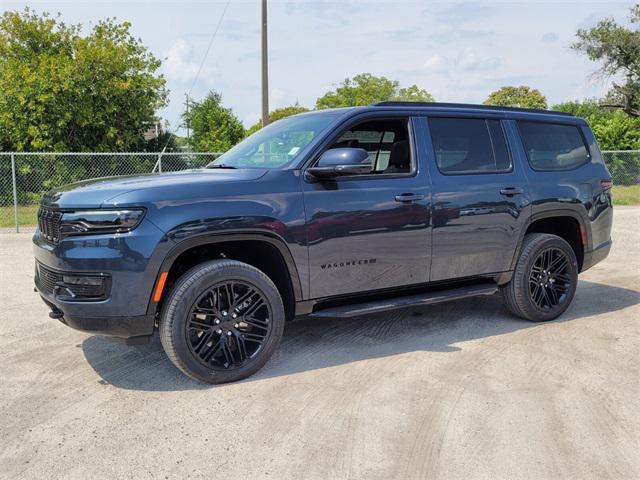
[333, 213]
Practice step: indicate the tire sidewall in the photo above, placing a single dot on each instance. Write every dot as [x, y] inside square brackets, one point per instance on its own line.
[535, 312]
[188, 290]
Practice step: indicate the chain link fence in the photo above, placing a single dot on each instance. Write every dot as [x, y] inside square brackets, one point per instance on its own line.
[25, 177]
[624, 166]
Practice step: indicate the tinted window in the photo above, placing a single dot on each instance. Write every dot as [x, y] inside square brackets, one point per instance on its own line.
[552, 146]
[386, 141]
[469, 145]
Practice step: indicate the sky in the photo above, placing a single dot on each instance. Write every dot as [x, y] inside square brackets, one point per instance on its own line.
[457, 51]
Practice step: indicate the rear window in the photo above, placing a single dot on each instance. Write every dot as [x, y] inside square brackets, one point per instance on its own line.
[552, 146]
[469, 145]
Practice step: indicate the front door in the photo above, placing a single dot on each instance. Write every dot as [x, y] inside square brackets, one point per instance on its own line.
[370, 232]
[479, 196]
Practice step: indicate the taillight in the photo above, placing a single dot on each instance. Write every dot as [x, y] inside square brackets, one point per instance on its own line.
[606, 184]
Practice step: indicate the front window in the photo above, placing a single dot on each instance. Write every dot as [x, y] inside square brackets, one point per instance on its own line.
[276, 145]
[386, 142]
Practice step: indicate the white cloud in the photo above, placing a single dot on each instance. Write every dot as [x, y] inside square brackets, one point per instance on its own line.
[471, 61]
[179, 65]
[434, 63]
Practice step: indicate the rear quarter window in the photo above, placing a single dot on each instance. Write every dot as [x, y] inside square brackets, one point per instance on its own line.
[552, 146]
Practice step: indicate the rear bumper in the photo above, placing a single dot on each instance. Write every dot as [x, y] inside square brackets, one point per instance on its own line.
[596, 255]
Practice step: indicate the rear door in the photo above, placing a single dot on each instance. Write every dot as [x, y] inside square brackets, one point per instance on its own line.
[479, 194]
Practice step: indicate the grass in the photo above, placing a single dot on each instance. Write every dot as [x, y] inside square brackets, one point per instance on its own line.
[27, 214]
[626, 194]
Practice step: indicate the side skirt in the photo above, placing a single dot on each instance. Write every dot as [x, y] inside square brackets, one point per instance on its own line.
[415, 300]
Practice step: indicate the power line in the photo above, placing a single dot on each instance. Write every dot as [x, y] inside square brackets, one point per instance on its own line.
[206, 53]
[195, 80]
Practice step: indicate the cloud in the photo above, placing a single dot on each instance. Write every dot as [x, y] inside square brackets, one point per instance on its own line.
[550, 37]
[462, 12]
[400, 35]
[470, 61]
[179, 65]
[455, 34]
[434, 63]
[465, 61]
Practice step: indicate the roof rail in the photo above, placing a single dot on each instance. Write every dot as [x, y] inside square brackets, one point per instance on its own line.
[468, 105]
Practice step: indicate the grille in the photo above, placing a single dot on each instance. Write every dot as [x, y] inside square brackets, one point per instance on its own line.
[47, 279]
[49, 224]
[50, 282]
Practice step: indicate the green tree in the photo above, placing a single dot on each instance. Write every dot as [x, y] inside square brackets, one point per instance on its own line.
[365, 89]
[618, 49]
[523, 97]
[278, 114]
[214, 128]
[413, 94]
[61, 91]
[613, 128]
[166, 141]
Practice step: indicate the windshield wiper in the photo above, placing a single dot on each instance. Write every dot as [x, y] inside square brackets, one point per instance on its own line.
[221, 165]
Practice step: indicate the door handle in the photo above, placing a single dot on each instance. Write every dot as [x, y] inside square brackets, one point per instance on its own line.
[511, 191]
[409, 197]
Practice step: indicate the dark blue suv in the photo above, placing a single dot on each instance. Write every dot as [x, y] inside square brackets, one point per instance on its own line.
[334, 213]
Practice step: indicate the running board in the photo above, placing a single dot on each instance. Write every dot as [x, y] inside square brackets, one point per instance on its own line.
[416, 300]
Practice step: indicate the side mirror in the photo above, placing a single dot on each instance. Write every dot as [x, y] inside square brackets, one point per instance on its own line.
[341, 161]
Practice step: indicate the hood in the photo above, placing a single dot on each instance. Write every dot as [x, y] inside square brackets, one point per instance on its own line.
[96, 192]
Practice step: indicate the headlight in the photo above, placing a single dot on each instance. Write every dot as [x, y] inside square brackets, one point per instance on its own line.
[99, 221]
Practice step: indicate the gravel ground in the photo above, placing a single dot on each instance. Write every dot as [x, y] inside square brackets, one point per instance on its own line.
[456, 391]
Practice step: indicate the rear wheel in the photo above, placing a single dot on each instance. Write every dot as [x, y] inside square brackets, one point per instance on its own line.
[545, 278]
[222, 321]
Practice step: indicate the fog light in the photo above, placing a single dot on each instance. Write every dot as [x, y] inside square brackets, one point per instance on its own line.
[89, 281]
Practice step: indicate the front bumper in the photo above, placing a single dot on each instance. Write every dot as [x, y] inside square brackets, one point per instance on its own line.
[127, 328]
[129, 261]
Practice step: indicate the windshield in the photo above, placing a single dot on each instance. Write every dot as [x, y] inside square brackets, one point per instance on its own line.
[276, 145]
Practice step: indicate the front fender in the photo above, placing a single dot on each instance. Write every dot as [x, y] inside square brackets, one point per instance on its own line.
[265, 236]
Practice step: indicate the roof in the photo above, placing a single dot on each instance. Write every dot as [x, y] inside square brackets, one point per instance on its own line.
[468, 106]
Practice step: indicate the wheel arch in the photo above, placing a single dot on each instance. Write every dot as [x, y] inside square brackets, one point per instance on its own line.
[284, 269]
[536, 224]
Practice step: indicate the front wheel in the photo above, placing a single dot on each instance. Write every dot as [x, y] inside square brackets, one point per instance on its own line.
[222, 321]
[545, 278]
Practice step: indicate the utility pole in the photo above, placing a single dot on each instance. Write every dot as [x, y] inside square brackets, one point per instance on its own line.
[265, 71]
[187, 117]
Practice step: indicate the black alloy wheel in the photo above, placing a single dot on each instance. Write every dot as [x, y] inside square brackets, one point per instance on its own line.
[549, 279]
[228, 325]
[221, 321]
[544, 280]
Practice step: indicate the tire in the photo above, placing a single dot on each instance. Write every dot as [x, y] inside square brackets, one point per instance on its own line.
[198, 332]
[534, 287]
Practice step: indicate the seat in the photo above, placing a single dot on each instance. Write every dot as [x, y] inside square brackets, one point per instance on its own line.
[399, 157]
